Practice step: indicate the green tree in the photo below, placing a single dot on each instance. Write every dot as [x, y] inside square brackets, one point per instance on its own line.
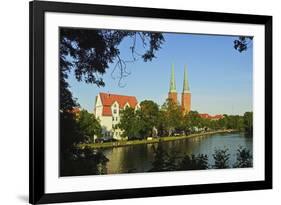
[186, 124]
[192, 120]
[127, 121]
[234, 122]
[248, 123]
[221, 157]
[69, 134]
[88, 125]
[132, 124]
[149, 116]
[221, 123]
[162, 123]
[172, 116]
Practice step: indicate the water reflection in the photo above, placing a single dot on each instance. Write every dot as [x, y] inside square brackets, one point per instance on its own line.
[138, 158]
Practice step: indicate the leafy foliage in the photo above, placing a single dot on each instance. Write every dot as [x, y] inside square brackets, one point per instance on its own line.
[89, 51]
[149, 115]
[248, 123]
[169, 121]
[242, 43]
[89, 125]
[171, 117]
[171, 161]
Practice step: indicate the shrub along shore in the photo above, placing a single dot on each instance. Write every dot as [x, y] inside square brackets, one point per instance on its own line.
[123, 143]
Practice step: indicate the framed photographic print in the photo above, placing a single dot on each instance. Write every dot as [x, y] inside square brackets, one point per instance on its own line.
[140, 102]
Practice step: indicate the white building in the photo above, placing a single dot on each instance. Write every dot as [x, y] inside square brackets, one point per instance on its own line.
[107, 110]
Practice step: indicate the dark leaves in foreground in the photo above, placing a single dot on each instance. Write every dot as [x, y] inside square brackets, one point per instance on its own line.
[221, 157]
[192, 162]
[86, 161]
[89, 51]
[244, 158]
[242, 43]
[164, 161]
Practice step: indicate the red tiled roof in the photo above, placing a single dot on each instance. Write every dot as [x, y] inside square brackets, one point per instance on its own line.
[214, 117]
[106, 111]
[107, 99]
[74, 110]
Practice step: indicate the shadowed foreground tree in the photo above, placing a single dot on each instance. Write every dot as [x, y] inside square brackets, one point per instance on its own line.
[242, 43]
[171, 161]
[89, 51]
[244, 158]
[160, 158]
[221, 157]
[85, 161]
[192, 162]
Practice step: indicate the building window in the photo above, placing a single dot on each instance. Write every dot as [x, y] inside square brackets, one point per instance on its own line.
[112, 118]
[114, 111]
[116, 118]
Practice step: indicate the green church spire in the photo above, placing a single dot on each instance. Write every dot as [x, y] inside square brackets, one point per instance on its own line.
[185, 81]
[172, 81]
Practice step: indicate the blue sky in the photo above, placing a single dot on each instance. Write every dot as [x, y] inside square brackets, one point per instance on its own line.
[220, 78]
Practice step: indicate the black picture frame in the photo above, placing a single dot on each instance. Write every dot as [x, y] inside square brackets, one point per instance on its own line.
[37, 194]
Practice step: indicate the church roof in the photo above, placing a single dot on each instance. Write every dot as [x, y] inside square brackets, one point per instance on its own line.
[185, 81]
[211, 117]
[107, 100]
[172, 81]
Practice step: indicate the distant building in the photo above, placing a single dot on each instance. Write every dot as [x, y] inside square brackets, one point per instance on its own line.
[107, 110]
[211, 117]
[75, 111]
[186, 94]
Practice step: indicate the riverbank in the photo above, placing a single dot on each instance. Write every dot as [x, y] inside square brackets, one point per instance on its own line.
[151, 141]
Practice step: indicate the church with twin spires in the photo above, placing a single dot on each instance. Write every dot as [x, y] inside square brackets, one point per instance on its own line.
[108, 106]
[185, 95]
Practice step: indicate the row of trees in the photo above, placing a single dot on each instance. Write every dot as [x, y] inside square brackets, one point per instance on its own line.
[171, 161]
[150, 121]
[168, 120]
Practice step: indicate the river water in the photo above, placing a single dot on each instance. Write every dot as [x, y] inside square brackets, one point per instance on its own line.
[138, 158]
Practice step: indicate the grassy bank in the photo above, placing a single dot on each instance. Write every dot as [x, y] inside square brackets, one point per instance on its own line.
[154, 140]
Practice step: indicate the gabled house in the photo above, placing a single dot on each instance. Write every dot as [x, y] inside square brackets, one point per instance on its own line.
[107, 109]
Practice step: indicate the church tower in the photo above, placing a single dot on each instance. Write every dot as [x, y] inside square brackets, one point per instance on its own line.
[186, 95]
[173, 95]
